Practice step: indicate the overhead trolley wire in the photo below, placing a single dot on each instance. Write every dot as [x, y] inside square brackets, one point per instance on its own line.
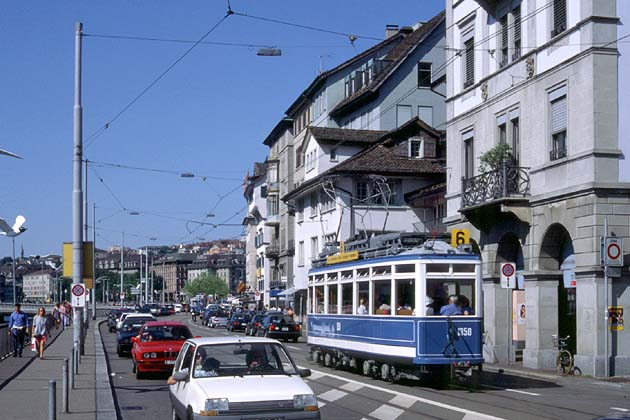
[103, 128]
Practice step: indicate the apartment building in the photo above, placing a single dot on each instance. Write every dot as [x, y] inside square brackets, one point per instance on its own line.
[533, 163]
[38, 286]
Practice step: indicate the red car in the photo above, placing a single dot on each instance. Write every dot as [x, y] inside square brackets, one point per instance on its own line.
[157, 345]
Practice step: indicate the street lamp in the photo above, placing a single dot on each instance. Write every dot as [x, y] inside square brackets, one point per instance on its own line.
[12, 232]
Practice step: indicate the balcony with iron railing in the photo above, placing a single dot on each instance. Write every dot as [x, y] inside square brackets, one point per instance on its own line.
[273, 249]
[497, 190]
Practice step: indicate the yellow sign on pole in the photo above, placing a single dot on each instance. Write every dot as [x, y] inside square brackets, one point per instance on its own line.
[88, 262]
[615, 318]
[460, 237]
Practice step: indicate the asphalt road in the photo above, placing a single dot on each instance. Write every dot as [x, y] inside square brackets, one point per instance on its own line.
[345, 395]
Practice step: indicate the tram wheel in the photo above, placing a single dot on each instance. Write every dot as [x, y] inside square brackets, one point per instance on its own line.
[367, 368]
[328, 360]
[385, 372]
[316, 356]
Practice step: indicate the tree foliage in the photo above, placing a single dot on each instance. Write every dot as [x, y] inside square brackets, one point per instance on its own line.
[492, 159]
[208, 284]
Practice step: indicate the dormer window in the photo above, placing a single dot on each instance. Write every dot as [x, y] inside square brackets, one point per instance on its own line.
[416, 150]
[333, 155]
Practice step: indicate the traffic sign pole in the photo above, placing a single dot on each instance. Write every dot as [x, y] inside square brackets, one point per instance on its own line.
[605, 303]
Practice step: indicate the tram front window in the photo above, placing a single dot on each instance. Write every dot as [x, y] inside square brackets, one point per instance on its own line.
[406, 297]
[451, 297]
[382, 299]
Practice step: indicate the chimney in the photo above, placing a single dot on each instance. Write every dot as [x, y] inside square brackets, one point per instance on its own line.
[390, 30]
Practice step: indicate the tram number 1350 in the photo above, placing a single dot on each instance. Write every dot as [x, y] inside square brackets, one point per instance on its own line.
[464, 332]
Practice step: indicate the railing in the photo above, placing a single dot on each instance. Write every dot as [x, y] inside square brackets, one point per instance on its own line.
[506, 181]
[6, 345]
[272, 249]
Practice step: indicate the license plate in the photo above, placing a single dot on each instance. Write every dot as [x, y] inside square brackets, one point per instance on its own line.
[285, 329]
[169, 362]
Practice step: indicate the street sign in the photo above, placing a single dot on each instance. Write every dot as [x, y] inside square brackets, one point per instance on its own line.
[78, 295]
[88, 263]
[508, 275]
[460, 237]
[257, 295]
[611, 251]
[613, 271]
[615, 318]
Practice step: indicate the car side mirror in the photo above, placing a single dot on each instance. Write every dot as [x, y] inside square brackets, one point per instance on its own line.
[304, 373]
[181, 375]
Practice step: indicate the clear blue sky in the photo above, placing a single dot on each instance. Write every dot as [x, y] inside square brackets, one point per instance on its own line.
[208, 116]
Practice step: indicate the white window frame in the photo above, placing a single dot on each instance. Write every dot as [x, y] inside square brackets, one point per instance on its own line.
[420, 144]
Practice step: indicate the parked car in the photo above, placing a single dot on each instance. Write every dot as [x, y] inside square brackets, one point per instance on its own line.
[215, 376]
[281, 327]
[253, 324]
[154, 308]
[156, 346]
[112, 319]
[129, 329]
[171, 309]
[178, 307]
[237, 322]
[124, 316]
[163, 311]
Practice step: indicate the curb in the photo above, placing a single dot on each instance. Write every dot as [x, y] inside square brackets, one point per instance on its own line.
[105, 407]
[521, 373]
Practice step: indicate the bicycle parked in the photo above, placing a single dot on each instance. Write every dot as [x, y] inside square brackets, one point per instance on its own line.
[564, 361]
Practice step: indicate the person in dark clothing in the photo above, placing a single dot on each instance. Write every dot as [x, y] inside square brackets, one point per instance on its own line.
[18, 327]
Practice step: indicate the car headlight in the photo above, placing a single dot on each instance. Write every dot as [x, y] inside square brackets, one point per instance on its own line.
[306, 401]
[214, 406]
[153, 355]
[146, 355]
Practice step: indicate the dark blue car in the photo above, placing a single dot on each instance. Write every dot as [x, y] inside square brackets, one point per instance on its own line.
[130, 328]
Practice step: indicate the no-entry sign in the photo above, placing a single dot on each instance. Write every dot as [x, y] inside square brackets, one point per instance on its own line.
[508, 275]
[612, 251]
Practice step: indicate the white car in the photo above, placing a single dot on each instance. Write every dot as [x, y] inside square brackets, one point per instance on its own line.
[178, 307]
[130, 315]
[239, 377]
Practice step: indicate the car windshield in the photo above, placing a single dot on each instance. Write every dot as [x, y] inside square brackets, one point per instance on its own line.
[166, 332]
[281, 320]
[242, 359]
[134, 323]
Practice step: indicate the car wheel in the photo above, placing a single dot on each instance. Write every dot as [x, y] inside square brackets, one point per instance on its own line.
[295, 340]
[133, 368]
[119, 351]
[189, 414]
[139, 375]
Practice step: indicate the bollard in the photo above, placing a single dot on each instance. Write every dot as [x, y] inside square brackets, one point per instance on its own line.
[72, 369]
[64, 390]
[52, 400]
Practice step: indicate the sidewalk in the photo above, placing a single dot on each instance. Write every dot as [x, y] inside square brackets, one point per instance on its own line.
[26, 395]
[517, 369]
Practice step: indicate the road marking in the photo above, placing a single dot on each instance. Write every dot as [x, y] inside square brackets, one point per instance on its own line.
[320, 404]
[402, 401]
[332, 395]
[295, 348]
[522, 392]
[473, 414]
[350, 387]
[386, 412]
[315, 375]
[625, 410]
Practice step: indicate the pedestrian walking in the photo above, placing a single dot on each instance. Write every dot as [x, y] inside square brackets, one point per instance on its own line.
[56, 314]
[18, 328]
[40, 331]
[64, 315]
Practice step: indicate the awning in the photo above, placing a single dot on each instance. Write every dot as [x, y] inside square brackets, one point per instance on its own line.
[288, 292]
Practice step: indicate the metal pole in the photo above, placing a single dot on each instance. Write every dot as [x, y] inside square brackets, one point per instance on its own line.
[152, 291]
[93, 251]
[64, 389]
[13, 268]
[606, 368]
[73, 367]
[77, 193]
[122, 266]
[52, 399]
[85, 202]
[146, 275]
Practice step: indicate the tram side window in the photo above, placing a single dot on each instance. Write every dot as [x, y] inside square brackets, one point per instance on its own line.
[346, 298]
[406, 296]
[382, 299]
[332, 299]
[319, 299]
[450, 297]
[363, 294]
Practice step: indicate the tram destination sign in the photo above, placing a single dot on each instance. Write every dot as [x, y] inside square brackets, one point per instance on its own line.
[342, 257]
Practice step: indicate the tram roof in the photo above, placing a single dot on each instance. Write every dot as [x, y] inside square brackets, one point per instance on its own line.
[410, 255]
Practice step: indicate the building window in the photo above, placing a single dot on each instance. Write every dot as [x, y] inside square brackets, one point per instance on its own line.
[330, 239]
[502, 133]
[469, 158]
[516, 15]
[558, 127]
[300, 210]
[314, 200]
[516, 140]
[559, 17]
[403, 114]
[272, 205]
[425, 113]
[379, 194]
[328, 201]
[298, 156]
[362, 191]
[300, 253]
[504, 41]
[469, 73]
[415, 149]
[424, 74]
[314, 247]
[333, 155]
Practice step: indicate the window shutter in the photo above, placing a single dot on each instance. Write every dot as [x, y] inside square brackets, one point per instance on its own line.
[504, 31]
[559, 15]
[559, 115]
[470, 61]
[517, 23]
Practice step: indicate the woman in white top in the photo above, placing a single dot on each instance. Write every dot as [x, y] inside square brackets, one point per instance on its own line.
[40, 331]
[362, 310]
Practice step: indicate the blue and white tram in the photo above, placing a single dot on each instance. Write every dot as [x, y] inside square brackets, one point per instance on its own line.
[381, 315]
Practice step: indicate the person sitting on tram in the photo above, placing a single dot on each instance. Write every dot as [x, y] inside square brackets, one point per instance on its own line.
[362, 309]
[451, 308]
[464, 305]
